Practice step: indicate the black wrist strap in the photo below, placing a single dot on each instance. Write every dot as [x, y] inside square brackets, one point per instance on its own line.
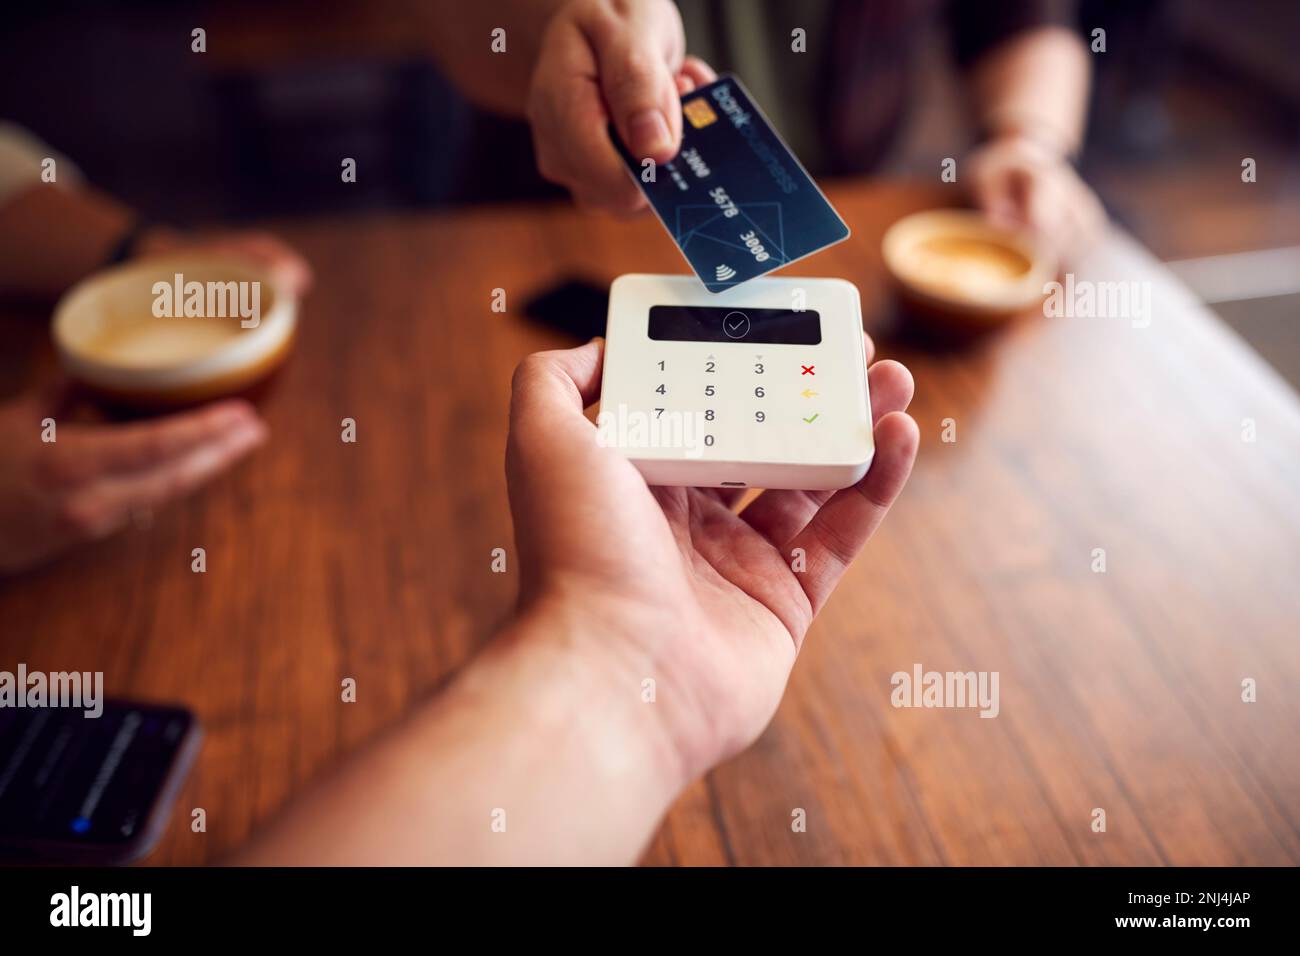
[124, 248]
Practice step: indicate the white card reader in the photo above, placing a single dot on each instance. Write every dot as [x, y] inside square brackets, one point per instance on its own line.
[763, 386]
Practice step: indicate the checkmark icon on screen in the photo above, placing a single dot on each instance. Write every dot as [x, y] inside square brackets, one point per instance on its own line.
[813, 419]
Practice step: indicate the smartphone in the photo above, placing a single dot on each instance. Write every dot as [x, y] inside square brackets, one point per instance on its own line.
[76, 789]
[575, 306]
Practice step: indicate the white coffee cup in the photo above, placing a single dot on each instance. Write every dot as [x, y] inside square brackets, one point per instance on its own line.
[174, 330]
[956, 265]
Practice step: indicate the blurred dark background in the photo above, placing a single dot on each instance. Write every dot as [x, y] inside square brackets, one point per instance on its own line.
[1184, 92]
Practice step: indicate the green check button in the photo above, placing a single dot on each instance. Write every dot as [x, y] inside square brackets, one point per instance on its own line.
[813, 419]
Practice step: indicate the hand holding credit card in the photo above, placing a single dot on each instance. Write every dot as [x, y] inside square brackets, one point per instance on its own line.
[735, 199]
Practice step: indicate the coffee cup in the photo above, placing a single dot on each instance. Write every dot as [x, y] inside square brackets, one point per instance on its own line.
[957, 270]
[174, 330]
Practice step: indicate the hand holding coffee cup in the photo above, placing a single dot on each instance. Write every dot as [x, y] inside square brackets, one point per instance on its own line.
[1022, 182]
[195, 323]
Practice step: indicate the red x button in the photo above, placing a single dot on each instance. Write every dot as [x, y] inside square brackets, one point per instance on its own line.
[808, 369]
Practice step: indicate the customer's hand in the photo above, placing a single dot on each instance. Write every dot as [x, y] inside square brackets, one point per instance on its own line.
[1018, 181]
[89, 482]
[669, 583]
[602, 62]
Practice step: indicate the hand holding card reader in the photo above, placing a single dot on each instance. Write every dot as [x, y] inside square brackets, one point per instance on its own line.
[762, 386]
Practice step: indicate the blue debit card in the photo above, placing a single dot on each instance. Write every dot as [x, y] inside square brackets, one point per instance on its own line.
[735, 200]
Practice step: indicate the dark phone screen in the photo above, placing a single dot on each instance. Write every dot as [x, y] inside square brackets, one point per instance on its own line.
[575, 307]
[70, 778]
[706, 323]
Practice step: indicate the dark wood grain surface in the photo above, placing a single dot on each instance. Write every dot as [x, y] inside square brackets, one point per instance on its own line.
[1118, 690]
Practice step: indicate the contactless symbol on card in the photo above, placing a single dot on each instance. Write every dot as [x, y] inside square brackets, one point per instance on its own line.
[752, 237]
[735, 199]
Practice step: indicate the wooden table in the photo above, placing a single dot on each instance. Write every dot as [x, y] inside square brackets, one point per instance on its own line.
[1119, 690]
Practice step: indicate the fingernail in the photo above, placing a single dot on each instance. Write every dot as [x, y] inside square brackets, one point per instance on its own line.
[648, 131]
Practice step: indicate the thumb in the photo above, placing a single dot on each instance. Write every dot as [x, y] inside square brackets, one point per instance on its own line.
[638, 80]
[557, 383]
[547, 426]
